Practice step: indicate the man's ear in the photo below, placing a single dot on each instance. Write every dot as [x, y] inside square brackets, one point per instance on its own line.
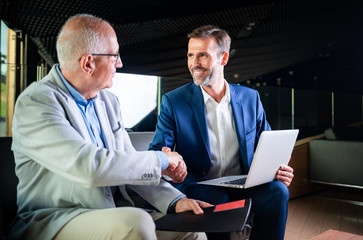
[225, 57]
[88, 64]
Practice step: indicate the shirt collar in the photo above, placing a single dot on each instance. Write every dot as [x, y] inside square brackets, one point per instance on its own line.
[226, 97]
[74, 93]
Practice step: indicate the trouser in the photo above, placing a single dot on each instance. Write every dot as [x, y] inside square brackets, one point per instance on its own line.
[269, 206]
[119, 223]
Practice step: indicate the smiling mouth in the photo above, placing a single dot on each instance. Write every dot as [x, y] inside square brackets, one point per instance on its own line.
[198, 71]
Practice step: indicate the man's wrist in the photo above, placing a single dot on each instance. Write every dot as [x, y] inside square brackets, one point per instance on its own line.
[164, 162]
[172, 206]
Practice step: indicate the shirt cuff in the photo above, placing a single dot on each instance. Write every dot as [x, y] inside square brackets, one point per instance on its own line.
[171, 208]
[164, 162]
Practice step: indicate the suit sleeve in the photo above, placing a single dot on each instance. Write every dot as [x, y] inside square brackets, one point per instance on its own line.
[165, 132]
[47, 129]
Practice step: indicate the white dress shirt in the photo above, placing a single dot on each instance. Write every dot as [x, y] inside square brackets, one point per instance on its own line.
[223, 141]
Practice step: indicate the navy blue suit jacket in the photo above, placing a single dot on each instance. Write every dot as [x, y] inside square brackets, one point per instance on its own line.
[182, 125]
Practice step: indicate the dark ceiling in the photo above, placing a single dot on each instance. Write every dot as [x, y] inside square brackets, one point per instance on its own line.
[268, 36]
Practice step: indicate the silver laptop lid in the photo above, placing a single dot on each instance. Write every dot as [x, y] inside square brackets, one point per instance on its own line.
[273, 150]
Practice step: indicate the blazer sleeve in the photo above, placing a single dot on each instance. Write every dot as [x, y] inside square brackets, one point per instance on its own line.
[47, 129]
[159, 196]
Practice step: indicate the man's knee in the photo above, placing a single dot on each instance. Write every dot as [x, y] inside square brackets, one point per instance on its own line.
[270, 197]
[115, 223]
[134, 223]
[280, 189]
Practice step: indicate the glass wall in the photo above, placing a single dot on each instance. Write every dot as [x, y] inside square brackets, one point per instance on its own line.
[310, 111]
[346, 108]
[313, 112]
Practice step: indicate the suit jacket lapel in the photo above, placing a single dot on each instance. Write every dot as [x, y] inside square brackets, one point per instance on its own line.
[74, 115]
[237, 110]
[77, 121]
[105, 126]
[197, 104]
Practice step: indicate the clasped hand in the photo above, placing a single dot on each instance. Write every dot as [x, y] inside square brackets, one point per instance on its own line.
[176, 170]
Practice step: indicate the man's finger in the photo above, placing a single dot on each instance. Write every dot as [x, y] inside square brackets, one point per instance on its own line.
[166, 149]
[196, 208]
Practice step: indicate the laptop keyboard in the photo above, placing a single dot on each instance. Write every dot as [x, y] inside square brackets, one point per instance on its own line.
[239, 181]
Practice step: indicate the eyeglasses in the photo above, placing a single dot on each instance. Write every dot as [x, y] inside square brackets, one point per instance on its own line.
[116, 56]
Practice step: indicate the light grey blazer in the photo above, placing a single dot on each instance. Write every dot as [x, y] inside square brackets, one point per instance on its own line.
[61, 173]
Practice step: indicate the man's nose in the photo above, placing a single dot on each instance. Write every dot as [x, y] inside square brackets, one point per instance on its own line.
[119, 63]
[195, 62]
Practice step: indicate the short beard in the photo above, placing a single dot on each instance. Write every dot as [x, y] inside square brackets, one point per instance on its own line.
[208, 81]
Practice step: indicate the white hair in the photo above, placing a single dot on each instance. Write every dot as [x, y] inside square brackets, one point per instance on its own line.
[87, 37]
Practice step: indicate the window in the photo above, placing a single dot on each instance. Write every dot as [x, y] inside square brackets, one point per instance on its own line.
[3, 70]
[138, 96]
[11, 68]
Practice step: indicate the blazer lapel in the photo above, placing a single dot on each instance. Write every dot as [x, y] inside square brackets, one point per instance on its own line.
[74, 114]
[197, 104]
[105, 126]
[237, 110]
[77, 121]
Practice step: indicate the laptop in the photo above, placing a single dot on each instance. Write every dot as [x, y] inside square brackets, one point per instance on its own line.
[273, 150]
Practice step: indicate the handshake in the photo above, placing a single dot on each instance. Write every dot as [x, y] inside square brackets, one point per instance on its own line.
[176, 170]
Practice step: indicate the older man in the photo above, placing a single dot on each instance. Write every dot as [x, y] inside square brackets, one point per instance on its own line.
[70, 148]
